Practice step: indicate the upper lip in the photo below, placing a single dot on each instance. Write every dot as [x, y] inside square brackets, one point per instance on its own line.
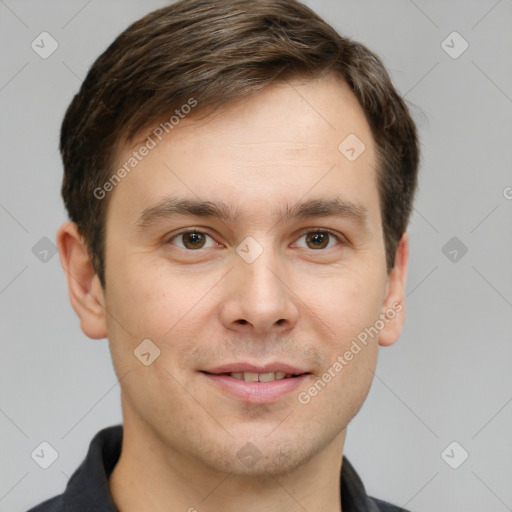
[253, 368]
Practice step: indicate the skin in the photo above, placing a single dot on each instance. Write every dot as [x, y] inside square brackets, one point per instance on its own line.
[207, 307]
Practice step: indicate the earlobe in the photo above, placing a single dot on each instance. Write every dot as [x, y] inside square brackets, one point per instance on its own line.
[84, 288]
[393, 308]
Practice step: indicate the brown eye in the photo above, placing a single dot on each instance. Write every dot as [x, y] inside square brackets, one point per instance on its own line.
[317, 239]
[190, 240]
[193, 240]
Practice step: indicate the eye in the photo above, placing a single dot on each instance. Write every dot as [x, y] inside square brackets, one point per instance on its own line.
[320, 239]
[194, 239]
[191, 239]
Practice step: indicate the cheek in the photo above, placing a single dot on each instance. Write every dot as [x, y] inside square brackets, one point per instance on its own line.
[347, 304]
[348, 308]
[152, 301]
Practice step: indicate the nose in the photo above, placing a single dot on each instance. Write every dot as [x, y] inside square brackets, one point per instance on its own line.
[258, 298]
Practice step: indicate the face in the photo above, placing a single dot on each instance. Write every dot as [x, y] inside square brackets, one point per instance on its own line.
[280, 275]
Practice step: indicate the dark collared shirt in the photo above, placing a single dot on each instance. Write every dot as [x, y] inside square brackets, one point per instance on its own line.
[88, 489]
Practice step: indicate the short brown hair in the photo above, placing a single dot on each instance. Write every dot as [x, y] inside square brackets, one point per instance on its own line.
[216, 51]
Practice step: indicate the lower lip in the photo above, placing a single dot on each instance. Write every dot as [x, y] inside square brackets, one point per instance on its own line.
[257, 392]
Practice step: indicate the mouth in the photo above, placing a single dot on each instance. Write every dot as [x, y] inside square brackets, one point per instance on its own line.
[256, 384]
[258, 377]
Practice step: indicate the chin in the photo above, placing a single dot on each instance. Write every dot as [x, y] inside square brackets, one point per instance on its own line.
[261, 458]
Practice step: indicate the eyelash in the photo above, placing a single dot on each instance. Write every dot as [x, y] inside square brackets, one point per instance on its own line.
[333, 234]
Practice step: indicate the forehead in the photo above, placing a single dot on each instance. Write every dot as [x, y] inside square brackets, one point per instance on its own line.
[274, 147]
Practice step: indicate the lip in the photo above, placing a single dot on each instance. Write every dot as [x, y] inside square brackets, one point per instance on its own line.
[249, 367]
[255, 392]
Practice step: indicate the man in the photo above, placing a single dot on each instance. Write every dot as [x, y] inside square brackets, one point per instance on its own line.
[239, 178]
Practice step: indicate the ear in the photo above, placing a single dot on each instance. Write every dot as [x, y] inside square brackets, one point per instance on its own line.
[393, 307]
[84, 288]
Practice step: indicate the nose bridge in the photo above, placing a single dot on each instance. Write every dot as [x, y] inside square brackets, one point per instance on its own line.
[259, 295]
[259, 276]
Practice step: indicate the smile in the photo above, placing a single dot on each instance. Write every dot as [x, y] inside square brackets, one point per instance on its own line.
[256, 387]
[259, 377]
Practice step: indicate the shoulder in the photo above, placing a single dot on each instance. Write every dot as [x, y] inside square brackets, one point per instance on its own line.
[384, 506]
[87, 488]
[54, 504]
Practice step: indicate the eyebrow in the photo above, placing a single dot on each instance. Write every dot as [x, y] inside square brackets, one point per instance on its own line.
[171, 207]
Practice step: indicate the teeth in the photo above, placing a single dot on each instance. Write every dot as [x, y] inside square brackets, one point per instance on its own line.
[261, 377]
[250, 377]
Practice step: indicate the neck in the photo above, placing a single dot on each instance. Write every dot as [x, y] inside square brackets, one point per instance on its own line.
[153, 476]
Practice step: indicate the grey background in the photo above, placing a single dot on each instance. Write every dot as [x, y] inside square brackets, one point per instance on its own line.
[447, 379]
